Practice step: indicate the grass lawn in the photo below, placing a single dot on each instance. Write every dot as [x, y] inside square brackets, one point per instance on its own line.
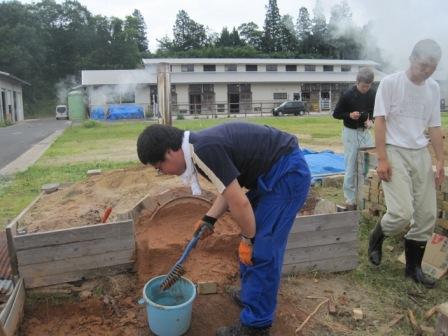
[71, 156]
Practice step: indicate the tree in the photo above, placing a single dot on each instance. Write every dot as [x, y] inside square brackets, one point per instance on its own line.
[288, 39]
[251, 34]
[304, 29]
[319, 40]
[135, 29]
[188, 34]
[345, 38]
[272, 28]
[224, 39]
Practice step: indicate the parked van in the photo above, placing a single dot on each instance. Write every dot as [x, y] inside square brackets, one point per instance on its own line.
[61, 112]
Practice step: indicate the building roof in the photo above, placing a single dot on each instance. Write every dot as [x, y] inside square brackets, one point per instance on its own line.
[120, 77]
[14, 78]
[257, 61]
[117, 77]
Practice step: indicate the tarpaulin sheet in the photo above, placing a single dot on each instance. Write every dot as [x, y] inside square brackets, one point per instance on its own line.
[125, 111]
[324, 163]
[97, 113]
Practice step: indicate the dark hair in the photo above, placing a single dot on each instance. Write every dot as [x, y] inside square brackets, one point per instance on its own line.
[425, 49]
[365, 75]
[155, 140]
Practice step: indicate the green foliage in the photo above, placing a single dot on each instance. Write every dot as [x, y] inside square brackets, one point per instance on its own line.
[180, 116]
[46, 42]
[90, 124]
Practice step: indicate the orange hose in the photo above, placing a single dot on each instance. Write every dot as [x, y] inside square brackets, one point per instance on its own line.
[106, 215]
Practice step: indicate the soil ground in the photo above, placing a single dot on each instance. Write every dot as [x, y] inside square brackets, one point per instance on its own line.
[108, 306]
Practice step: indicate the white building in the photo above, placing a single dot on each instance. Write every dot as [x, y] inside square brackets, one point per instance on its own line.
[228, 85]
[11, 101]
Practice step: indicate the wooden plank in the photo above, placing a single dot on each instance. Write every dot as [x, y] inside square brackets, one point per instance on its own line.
[77, 264]
[304, 254]
[48, 280]
[334, 236]
[10, 231]
[15, 315]
[73, 250]
[325, 221]
[71, 235]
[9, 304]
[325, 265]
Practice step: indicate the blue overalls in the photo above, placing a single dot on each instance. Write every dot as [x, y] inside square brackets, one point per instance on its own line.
[280, 194]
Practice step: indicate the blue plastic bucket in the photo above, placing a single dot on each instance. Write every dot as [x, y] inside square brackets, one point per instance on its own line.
[169, 311]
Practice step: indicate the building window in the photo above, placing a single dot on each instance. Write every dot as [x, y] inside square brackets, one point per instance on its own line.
[280, 95]
[271, 67]
[310, 67]
[251, 67]
[230, 67]
[306, 96]
[346, 68]
[291, 67]
[328, 68]
[187, 67]
[209, 67]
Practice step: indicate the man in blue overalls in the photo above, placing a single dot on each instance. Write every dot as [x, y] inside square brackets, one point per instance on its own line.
[262, 159]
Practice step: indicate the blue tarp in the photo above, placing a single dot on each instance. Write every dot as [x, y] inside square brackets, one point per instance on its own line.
[117, 112]
[97, 113]
[324, 163]
[125, 111]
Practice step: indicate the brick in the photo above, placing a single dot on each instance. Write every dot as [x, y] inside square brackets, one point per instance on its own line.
[207, 287]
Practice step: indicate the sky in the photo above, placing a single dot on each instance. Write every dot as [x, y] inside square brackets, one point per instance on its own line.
[397, 24]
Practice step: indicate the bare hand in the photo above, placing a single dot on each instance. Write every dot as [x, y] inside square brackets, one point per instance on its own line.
[355, 115]
[384, 170]
[368, 123]
[439, 174]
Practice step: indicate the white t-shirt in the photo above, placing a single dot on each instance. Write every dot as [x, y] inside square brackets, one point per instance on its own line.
[408, 109]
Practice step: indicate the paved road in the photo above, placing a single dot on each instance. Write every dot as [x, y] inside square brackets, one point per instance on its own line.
[18, 138]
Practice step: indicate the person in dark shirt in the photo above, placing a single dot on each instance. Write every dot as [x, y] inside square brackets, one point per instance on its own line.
[355, 108]
[262, 159]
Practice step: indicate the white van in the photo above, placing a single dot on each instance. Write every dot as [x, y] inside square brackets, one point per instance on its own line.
[61, 112]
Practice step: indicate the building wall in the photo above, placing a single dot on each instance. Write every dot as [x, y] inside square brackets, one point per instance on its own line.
[9, 87]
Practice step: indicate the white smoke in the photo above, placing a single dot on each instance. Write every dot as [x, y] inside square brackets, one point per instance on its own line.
[63, 87]
[397, 25]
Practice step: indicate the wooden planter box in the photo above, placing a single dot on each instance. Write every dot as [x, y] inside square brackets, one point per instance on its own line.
[326, 243]
[53, 257]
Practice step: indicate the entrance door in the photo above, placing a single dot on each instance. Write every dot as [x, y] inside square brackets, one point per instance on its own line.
[234, 102]
[195, 103]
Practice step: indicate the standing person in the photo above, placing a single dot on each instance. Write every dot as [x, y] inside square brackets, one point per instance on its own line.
[262, 159]
[355, 108]
[406, 104]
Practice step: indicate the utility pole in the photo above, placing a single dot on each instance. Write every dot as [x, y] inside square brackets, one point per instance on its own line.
[164, 92]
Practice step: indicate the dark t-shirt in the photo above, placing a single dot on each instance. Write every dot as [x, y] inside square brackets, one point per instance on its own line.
[238, 151]
[353, 100]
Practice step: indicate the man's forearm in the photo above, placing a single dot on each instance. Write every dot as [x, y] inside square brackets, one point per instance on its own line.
[435, 134]
[380, 138]
[218, 208]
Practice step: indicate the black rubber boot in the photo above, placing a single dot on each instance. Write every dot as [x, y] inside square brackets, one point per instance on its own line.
[414, 251]
[241, 330]
[376, 244]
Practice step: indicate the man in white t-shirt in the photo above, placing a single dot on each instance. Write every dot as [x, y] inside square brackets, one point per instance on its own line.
[407, 103]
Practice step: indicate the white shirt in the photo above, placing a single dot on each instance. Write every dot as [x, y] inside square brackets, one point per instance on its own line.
[408, 109]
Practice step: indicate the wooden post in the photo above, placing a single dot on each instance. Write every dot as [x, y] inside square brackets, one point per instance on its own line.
[164, 92]
[11, 231]
[442, 320]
